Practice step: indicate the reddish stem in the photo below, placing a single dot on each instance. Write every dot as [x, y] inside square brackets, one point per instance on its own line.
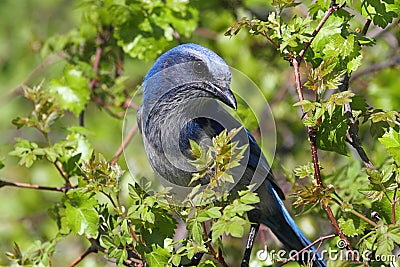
[124, 144]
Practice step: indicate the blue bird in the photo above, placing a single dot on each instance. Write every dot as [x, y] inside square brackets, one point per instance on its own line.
[181, 102]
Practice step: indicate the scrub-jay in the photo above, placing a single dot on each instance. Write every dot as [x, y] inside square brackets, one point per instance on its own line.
[180, 94]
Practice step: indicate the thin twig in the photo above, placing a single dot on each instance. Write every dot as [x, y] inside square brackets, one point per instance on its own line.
[96, 62]
[124, 144]
[393, 204]
[366, 27]
[319, 240]
[92, 82]
[94, 248]
[388, 63]
[270, 40]
[34, 75]
[332, 9]
[365, 218]
[59, 168]
[353, 131]
[63, 189]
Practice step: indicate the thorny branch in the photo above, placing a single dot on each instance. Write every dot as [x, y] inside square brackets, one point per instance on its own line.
[311, 131]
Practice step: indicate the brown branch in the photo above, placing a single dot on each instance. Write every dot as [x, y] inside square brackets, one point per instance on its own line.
[312, 132]
[92, 82]
[393, 204]
[312, 138]
[332, 9]
[59, 168]
[63, 189]
[124, 144]
[352, 132]
[94, 248]
[320, 239]
[99, 50]
[270, 40]
[389, 63]
[366, 27]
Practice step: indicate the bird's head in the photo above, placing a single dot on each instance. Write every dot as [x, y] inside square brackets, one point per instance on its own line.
[192, 65]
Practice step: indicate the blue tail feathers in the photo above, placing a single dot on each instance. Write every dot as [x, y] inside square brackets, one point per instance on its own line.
[308, 255]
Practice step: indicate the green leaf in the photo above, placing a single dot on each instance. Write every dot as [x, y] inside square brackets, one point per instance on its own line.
[380, 11]
[197, 232]
[305, 170]
[236, 227]
[158, 256]
[391, 141]
[207, 263]
[307, 105]
[27, 151]
[249, 198]
[106, 241]
[176, 259]
[385, 244]
[214, 212]
[72, 90]
[352, 226]
[331, 134]
[80, 213]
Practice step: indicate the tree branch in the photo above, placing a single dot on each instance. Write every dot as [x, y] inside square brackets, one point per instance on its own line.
[311, 131]
[312, 138]
[96, 62]
[389, 63]
[63, 189]
[332, 9]
[125, 143]
[353, 131]
[320, 239]
[94, 248]
[134, 259]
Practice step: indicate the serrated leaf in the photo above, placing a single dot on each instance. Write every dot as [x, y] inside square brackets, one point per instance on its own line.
[236, 227]
[158, 256]
[331, 134]
[80, 214]
[304, 170]
[249, 198]
[106, 241]
[197, 233]
[352, 226]
[71, 90]
[391, 141]
[214, 212]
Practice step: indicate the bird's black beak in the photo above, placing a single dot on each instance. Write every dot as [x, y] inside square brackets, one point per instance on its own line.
[224, 94]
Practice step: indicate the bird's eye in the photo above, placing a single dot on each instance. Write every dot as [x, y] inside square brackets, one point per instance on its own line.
[199, 67]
